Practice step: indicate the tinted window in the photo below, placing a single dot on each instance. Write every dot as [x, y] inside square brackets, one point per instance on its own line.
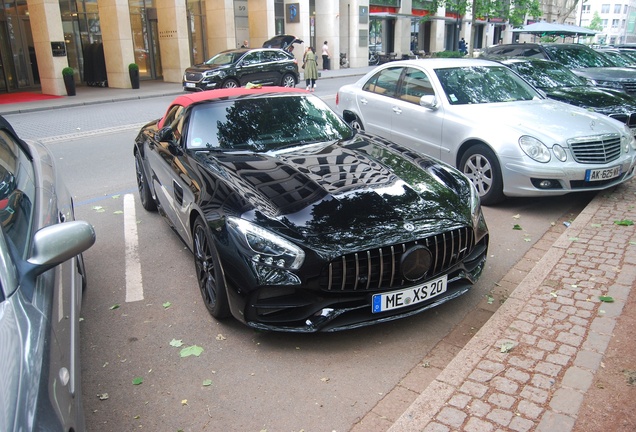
[576, 57]
[264, 124]
[384, 82]
[547, 75]
[17, 193]
[415, 84]
[252, 58]
[475, 85]
[225, 58]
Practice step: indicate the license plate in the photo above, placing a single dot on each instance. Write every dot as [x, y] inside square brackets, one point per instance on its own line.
[602, 174]
[409, 296]
[191, 85]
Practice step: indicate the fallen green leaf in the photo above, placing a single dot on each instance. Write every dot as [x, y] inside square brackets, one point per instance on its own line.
[606, 299]
[118, 212]
[624, 222]
[137, 380]
[115, 306]
[98, 209]
[207, 382]
[191, 350]
[176, 343]
[103, 396]
[115, 196]
[166, 305]
[517, 227]
[596, 225]
[490, 299]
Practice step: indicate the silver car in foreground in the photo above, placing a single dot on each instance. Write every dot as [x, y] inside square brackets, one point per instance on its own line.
[483, 118]
[41, 281]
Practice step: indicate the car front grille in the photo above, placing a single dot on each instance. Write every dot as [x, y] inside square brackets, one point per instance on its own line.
[195, 77]
[597, 149]
[380, 268]
[630, 87]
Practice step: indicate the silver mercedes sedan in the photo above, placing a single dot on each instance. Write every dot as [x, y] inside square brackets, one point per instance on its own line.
[483, 118]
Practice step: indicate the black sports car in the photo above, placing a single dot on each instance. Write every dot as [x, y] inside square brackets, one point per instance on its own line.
[299, 223]
[559, 83]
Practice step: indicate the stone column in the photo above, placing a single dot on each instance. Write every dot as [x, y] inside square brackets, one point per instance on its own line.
[327, 29]
[262, 21]
[173, 38]
[402, 41]
[114, 18]
[46, 26]
[220, 28]
[299, 29]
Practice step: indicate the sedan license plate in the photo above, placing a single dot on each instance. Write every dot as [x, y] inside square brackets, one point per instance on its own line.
[602, 174]
[409, 296]
[190, 85]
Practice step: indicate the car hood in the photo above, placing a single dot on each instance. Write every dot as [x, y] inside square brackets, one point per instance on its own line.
[600, 100]
[548, 120]
[199, 68]
[607, 73]
[359, 190]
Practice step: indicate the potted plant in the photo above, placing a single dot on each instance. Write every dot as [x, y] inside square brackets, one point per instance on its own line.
[133, 71]
[68, 73]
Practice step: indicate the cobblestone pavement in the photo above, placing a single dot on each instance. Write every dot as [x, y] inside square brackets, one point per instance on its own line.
[529, 367]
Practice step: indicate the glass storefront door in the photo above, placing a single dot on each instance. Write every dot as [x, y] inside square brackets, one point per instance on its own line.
[18, 63]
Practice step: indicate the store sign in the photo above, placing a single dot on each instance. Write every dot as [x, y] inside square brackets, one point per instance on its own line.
[58, 49]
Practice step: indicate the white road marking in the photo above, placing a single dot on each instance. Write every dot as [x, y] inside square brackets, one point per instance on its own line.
[134, 286]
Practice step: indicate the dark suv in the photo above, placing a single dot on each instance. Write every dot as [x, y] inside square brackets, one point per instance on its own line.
[237, 67]
[580, 59]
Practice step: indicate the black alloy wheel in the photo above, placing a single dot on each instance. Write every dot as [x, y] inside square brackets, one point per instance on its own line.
[481, 166]
[209, 272]
[147, 201]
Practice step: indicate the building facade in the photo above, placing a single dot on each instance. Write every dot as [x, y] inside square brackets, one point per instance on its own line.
[617, 19]
[100, 38]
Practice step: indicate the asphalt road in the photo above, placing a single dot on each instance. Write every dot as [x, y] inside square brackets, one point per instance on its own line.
[243, 379]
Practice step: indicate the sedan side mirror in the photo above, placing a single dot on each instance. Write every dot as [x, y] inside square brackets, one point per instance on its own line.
[429, 101]
[165, 134]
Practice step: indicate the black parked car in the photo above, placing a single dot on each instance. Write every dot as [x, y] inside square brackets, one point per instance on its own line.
[237, 67]
[41, 281]
[559, 83]
[580, 59]
[298, 223]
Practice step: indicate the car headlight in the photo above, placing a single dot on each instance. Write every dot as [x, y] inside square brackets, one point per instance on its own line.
[628, 140]
[265, 247]
[559, 152]
[475, 204]
[211, 73]
[534, 148]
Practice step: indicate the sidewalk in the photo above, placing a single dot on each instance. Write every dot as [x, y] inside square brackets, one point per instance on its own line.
[95, 95]
[530, 365]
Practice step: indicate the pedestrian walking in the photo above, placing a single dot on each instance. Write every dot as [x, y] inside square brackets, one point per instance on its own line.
[325, 56]
[463, 48]
[311, 68]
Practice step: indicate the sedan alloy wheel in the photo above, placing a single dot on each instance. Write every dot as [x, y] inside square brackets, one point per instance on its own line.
[142, 185]
[481, 166]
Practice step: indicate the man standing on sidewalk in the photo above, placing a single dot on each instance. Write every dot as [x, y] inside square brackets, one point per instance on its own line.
[325, 56]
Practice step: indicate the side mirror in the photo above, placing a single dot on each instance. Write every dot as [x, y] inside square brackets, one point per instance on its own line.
[164, 134]
[57, 243]
[429, 101]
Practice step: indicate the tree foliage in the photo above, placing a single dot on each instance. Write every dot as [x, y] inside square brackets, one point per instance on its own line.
[596, 23]
[513, 11]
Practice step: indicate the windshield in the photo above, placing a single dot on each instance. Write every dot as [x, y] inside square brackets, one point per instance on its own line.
[574, 57]
[545, 75]
[264, 124]
[225, 58]
[483, 84]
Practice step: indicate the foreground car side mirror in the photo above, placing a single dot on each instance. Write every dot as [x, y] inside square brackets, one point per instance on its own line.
[57, 243]
[429, 101]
